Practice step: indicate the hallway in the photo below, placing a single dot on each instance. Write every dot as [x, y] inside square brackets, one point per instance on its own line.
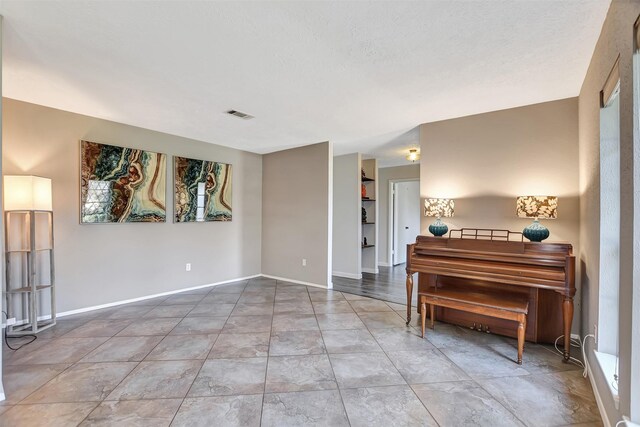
[387, 285]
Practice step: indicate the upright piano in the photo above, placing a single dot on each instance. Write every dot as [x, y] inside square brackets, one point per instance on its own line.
[544, 272]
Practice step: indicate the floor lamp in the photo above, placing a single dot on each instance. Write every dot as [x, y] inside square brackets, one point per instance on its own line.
[29, 268]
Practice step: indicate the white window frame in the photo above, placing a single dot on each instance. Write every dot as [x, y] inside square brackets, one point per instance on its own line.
[608, 336]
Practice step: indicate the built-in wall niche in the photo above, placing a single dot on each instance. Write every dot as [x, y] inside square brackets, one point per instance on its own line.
[369, 192]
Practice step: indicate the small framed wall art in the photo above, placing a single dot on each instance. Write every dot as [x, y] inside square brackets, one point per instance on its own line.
[119, 184]
[202, 190]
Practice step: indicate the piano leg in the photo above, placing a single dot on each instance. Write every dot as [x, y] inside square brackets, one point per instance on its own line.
[423, 316]
[409, 295]
[521, 334]
[567, 314]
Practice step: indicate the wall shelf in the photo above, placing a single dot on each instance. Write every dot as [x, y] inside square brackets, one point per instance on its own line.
[369, 204]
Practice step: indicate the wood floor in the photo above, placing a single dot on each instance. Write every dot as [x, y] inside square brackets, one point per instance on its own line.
[387, 285]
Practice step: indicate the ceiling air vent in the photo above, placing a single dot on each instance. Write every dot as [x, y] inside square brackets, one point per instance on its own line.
[240, 114]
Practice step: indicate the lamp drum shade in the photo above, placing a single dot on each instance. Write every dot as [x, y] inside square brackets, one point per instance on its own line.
[438, 207]
[27, 193]
[537, 207]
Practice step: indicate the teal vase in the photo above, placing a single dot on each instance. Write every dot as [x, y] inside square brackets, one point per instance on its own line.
[536, 232]
[438, 228]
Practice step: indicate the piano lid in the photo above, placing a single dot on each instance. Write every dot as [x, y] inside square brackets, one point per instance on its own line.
[463, 243]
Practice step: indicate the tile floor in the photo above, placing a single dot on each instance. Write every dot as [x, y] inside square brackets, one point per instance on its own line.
[276, 354]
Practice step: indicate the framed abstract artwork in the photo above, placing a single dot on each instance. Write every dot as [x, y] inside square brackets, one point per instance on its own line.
[121, 184]
[202, 190]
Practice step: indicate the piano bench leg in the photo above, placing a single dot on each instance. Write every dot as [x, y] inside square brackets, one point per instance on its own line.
[423, 316]
[520, 340]
[432, 314]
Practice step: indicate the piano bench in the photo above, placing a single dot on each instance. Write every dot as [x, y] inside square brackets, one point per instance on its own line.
[503, 306]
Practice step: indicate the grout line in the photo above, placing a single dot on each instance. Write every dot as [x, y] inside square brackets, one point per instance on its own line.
[500, 403]
[398, 370]
[388, 358]
[474, 380]
[266, 369]
[205, 359]
[344, 406]
[104, 316]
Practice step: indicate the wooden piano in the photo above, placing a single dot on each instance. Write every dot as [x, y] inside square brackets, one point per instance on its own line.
[478, 259]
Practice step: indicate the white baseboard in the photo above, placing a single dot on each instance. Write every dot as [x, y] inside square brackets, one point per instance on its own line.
[161, 294]
[113, 304]
[370, 270]
[299, 282]
[384, 264]
[347, 275]
[596, 393]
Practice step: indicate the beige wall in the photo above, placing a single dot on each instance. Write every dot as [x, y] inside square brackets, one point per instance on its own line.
[616, 39]
[384, 176]
[347, 217]
[295, 213]
[98, 264]
[485, 161]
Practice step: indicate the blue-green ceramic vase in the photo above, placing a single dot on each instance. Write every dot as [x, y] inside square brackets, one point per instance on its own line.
[438, 228]
[536, 232]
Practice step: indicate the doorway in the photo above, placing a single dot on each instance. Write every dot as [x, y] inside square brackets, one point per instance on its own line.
[405, 225]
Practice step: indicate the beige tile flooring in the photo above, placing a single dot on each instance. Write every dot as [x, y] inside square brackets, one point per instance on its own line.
[277, 354]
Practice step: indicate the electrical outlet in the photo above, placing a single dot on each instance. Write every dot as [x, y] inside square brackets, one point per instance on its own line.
[304, 262]
[188, 267]
[11, 321]
[595, 333]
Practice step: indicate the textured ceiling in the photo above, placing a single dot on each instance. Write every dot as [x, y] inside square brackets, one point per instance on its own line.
[363, 75]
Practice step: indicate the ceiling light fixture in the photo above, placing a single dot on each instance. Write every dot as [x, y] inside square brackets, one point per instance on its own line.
[240, 114]
[413, 155]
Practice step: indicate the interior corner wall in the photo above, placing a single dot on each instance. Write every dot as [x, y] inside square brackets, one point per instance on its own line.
[103, 263]
[616, 39]
[384, 176]
[295, 214]
[347, 216]
[486, 160]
